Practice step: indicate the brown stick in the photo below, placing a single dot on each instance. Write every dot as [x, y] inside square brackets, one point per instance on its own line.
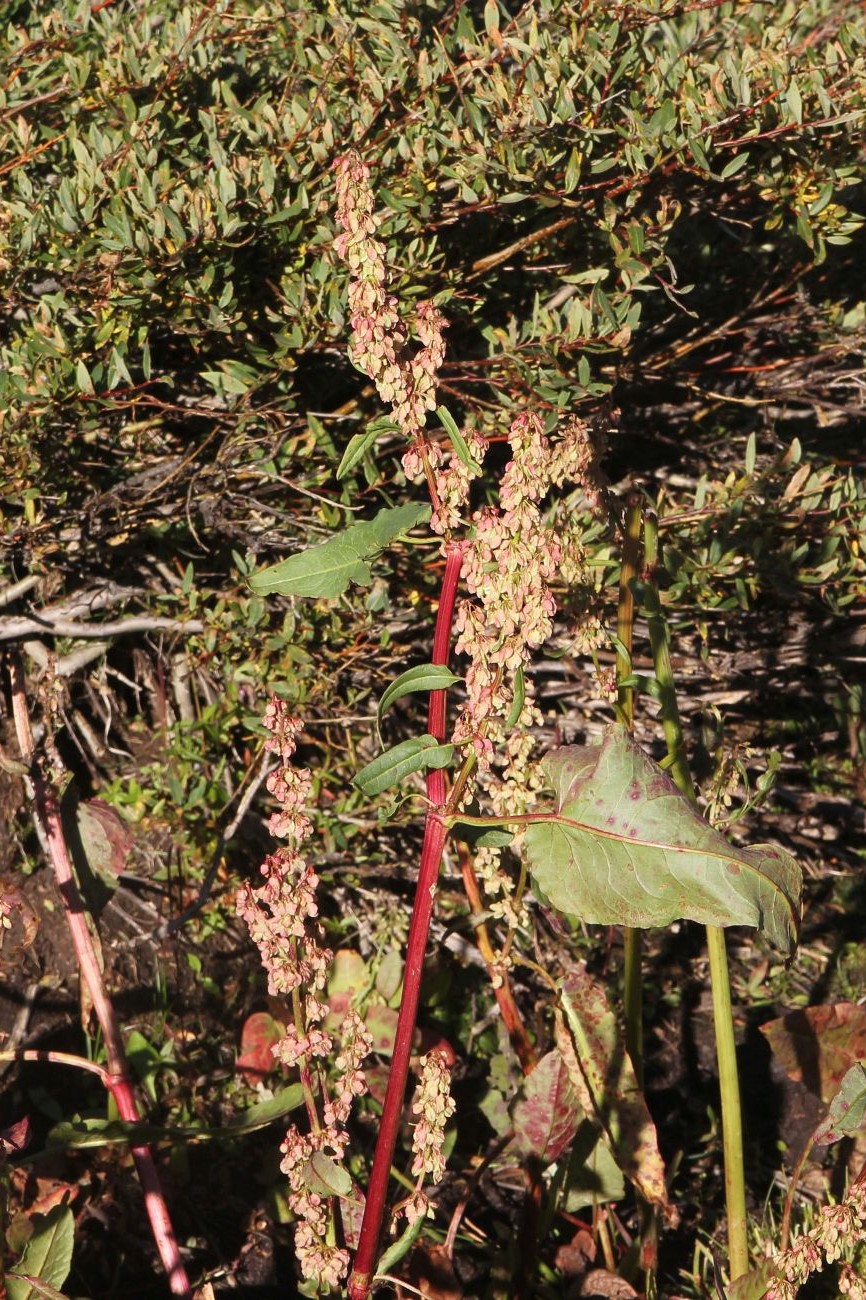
[120, 1083]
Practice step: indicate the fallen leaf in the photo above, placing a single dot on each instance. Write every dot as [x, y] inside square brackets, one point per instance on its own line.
[573, 1257]
[817, 1046]
[607, 1285]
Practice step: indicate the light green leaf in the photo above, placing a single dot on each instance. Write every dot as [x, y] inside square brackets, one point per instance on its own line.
[47, 1255]
[360, 444]
[36, 1285]
[624, 847]
[847, 1114]
[83, 380]
[733, 166]
[324, 1177]
[425, 677]
[88, 1133]
[415, 755]
[458, 442]
[592, 1176]
[327, 570]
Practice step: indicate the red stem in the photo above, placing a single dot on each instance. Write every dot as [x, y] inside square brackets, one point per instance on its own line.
[48, 812]
[435, 833]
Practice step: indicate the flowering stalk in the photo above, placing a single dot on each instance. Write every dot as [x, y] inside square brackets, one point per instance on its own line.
[281, 915]
[117, 1076]
[508, 564]
[839, 1226]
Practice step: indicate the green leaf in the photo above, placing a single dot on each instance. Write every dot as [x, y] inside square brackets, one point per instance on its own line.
[751, 454]
[425, 677]
[847, 1114]
[592, 1176]
[604, 1079]
[36, 1285]
[624, 847]
[47, 1255]
[458, 442]
[87, 1133]
[324, 1177]
[327, 570]
[754, 1284]
[519, 699]
[414, 755]
[360, 444]
[83, 380]
[733, 166]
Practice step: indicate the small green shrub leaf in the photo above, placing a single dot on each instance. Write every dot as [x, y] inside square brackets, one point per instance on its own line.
[327, 570]
[414, 755]
[624, 847]
[424, 677]
[847, 1113]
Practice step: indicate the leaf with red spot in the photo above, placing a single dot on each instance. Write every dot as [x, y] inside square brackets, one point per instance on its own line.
[847, 1114]
[106, 839]
[816, 1046]
[546, 1113]
[625, 847]
[258, 1036]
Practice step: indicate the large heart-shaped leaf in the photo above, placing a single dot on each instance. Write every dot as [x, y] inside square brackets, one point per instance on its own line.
[625, 847]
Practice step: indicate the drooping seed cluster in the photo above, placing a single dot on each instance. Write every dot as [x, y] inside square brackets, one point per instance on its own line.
[282, 917]
[838, 1228]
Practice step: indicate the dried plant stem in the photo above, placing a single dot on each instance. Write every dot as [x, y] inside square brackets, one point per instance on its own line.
[435, 833]
[119, 1081]
[723, 1018]
[508, 1009]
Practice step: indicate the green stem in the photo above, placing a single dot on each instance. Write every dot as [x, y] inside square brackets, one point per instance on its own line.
[632, 937]
[723, 1018]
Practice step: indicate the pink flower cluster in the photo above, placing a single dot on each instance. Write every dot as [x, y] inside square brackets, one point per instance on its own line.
[434, 1106]
[509, 565]
[281, 915]
[380, 339]
[838, 1227]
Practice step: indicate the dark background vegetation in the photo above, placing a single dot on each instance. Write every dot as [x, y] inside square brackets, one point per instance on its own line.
[647, 214]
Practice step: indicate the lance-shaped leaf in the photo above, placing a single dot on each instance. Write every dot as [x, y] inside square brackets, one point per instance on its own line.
[414, 755]
[546, 1113]
[593, 1049]
[625, 847]
[422, 678]
[847, 1113]
[327, 570]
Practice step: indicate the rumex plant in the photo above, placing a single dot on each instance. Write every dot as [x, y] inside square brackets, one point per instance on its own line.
[620, 844]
